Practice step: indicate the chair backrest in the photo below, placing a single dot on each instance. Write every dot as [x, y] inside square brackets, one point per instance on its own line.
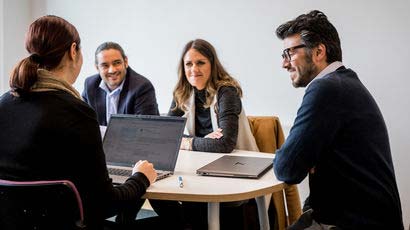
[269, 137]
[40, 205]
[267, 131]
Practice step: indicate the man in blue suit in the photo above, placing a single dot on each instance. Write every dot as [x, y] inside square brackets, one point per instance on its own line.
[339, 136]
[117, 89]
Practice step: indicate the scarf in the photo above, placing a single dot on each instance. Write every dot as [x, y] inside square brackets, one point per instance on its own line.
[47, 81]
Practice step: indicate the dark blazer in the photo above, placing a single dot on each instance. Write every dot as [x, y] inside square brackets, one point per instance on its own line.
[137, 96]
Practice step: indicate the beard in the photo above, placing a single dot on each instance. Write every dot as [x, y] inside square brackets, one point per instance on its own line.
[306, 73]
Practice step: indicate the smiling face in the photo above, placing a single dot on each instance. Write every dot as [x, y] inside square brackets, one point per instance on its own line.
[112, 67]
[197, 69]
[300, 66]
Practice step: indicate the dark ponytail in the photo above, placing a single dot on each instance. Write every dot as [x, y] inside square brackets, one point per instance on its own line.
[48, 39]
[24, 76]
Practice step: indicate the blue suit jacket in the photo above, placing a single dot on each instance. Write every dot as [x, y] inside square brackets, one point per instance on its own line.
[137, 96]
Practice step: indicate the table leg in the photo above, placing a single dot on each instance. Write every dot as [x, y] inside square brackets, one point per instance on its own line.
[262, 213]
[213, 216]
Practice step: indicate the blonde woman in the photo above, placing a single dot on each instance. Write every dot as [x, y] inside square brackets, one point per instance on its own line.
[211, 100]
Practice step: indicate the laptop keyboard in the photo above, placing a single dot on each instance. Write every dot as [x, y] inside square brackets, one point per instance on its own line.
[128, 172]
[119, 172]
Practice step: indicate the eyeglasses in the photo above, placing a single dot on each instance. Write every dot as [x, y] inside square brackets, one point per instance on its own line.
[286, 55]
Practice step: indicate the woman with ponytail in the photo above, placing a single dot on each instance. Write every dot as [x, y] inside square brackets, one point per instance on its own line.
[48, 133]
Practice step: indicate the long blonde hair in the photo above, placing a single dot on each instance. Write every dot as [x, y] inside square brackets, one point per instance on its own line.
[219, 77]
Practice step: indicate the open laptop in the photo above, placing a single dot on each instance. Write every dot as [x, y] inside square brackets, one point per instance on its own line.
[237, 166]
[130, 138]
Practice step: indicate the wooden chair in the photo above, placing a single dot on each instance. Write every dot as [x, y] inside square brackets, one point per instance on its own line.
[40, 205]
[269, 136]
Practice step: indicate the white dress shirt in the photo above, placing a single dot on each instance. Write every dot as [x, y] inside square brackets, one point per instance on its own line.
[111, 99]
[330, 68]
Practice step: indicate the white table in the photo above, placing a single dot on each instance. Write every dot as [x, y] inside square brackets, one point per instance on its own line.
[214, 190]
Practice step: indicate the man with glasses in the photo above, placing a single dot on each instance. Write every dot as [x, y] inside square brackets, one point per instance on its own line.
[339, 136]
[117, 89]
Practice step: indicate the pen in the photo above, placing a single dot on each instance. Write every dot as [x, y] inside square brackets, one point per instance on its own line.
[180, 182]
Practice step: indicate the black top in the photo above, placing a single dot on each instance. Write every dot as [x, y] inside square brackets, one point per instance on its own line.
[203, 124]
[54, 136]
[228, 108]
[339, 130]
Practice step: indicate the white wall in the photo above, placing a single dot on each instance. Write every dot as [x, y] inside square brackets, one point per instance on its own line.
[374, 37]
[1, 45]
[16, 17]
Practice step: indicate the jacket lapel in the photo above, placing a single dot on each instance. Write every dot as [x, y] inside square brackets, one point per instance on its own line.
[100, 106]
[122, 102]
[190, 115]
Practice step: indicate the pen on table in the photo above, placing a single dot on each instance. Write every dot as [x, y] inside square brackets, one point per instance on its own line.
[180, 182]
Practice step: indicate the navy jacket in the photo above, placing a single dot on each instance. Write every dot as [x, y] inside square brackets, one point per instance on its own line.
[137, 96]
[339, 130]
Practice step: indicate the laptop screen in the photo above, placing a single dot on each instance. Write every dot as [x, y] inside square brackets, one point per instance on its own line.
[130, 138]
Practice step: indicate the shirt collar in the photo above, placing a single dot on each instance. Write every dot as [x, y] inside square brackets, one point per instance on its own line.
[108, 91]
[329, 69]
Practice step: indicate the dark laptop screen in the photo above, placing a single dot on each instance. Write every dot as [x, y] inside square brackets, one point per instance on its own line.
[130, 138]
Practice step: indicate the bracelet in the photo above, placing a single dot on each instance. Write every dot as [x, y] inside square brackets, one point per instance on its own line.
[187, 143]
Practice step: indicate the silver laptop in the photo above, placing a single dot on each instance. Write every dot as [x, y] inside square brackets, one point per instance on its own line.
[130, 138]
[237, 166]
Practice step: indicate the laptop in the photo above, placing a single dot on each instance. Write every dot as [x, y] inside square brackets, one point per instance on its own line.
[130, 138]
[237, 166]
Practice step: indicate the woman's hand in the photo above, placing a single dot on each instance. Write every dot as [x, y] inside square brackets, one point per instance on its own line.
[186, 143]
[147, 169]
[215, 134]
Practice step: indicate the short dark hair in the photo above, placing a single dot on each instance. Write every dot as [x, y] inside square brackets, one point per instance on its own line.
[108, 46]
[314, 28]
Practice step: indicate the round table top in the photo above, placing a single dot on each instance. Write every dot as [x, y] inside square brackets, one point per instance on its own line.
[208, 188]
